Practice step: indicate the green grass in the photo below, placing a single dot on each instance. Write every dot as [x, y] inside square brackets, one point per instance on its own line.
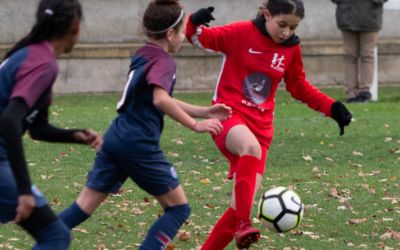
[363, 166]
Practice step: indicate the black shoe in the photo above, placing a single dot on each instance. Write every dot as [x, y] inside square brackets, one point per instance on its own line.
[364, 96]
[352, 99]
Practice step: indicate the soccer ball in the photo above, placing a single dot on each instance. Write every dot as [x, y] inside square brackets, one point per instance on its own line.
[280, 209]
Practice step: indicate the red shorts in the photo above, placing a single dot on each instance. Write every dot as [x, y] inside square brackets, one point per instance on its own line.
[220, 143]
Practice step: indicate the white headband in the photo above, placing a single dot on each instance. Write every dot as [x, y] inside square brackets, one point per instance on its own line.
[170, 27]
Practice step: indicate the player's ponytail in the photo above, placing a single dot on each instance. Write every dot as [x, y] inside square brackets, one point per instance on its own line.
[161, 16]
[53, 20]
[278, 7]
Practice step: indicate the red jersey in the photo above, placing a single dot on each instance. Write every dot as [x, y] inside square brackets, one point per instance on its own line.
[253, 66]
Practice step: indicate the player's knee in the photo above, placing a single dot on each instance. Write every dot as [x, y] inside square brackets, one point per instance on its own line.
[252, 149]
[181, 212]
[186, 210]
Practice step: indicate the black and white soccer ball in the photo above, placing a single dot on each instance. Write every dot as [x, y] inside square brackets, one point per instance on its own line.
[280, 209]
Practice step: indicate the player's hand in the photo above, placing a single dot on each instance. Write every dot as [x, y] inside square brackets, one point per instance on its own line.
[219, 111]
[341, 115]
[212, 126]
[89, 137]
[26, 203]
[202, 16]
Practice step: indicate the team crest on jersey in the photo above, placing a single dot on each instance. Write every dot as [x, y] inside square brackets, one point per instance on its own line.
[278, 62]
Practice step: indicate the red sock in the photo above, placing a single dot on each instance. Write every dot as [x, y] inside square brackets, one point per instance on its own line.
[222, 232]
[246, 171]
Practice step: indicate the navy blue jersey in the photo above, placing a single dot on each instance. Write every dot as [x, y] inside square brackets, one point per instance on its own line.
[138, 127]
[29, 74]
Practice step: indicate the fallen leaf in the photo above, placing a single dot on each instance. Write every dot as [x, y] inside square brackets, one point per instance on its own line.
[183, 235]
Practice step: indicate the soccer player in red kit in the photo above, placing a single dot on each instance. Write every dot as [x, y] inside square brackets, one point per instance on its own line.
[257, 55]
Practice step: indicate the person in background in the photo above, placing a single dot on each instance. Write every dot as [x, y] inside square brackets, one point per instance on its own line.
[360, 22]
[27, 75]
[257, 54]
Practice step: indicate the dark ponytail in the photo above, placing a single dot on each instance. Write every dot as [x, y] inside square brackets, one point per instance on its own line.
[161, 15]
[278, 7]
[53, 20]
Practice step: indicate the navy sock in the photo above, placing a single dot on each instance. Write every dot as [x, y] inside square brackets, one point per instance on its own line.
[54, 236]
[73, 216]
[165, 228]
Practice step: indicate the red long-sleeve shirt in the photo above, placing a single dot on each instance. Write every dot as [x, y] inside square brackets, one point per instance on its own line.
[253, 66]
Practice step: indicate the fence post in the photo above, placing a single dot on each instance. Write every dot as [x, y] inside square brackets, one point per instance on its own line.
[374, 86]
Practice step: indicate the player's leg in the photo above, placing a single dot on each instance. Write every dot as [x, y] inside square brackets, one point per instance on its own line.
[351, 55]
[47, 229]
[241, 142]
[159, 178]
[80, 210]
[368, 41]
[176, 211]
[105, 177]
[43, 225]
[224, 230]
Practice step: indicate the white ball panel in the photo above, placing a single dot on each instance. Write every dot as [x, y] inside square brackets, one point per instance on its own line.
[292, 201]
[271, 208]
[287, 222]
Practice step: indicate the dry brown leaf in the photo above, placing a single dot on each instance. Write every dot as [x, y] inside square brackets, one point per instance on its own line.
[137, 211]
[81, 230]
[217, 189]
[357, 221]
[183, 235]
[205, 181]
[334, 193]
[101, 246]
[171, 246]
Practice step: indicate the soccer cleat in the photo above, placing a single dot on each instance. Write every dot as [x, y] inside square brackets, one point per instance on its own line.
[246, 235]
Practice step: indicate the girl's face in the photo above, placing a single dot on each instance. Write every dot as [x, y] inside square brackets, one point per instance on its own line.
[72, 38]
[175, 38]
[282, 26]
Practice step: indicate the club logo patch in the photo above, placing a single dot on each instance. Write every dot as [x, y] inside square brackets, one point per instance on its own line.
[277, 62]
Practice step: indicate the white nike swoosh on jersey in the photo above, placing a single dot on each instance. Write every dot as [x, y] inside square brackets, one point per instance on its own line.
[251, 51]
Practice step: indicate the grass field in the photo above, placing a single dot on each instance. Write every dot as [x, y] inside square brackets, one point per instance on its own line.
[350, 185]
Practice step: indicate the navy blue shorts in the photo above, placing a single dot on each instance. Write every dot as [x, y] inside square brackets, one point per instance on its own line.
[155, 175]
[9, 194]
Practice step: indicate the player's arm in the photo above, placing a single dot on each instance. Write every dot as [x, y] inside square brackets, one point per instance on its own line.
[215, 38]
[301, 89]
[42, 130]
[218, 111]
[11, 126]
[164, 102]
